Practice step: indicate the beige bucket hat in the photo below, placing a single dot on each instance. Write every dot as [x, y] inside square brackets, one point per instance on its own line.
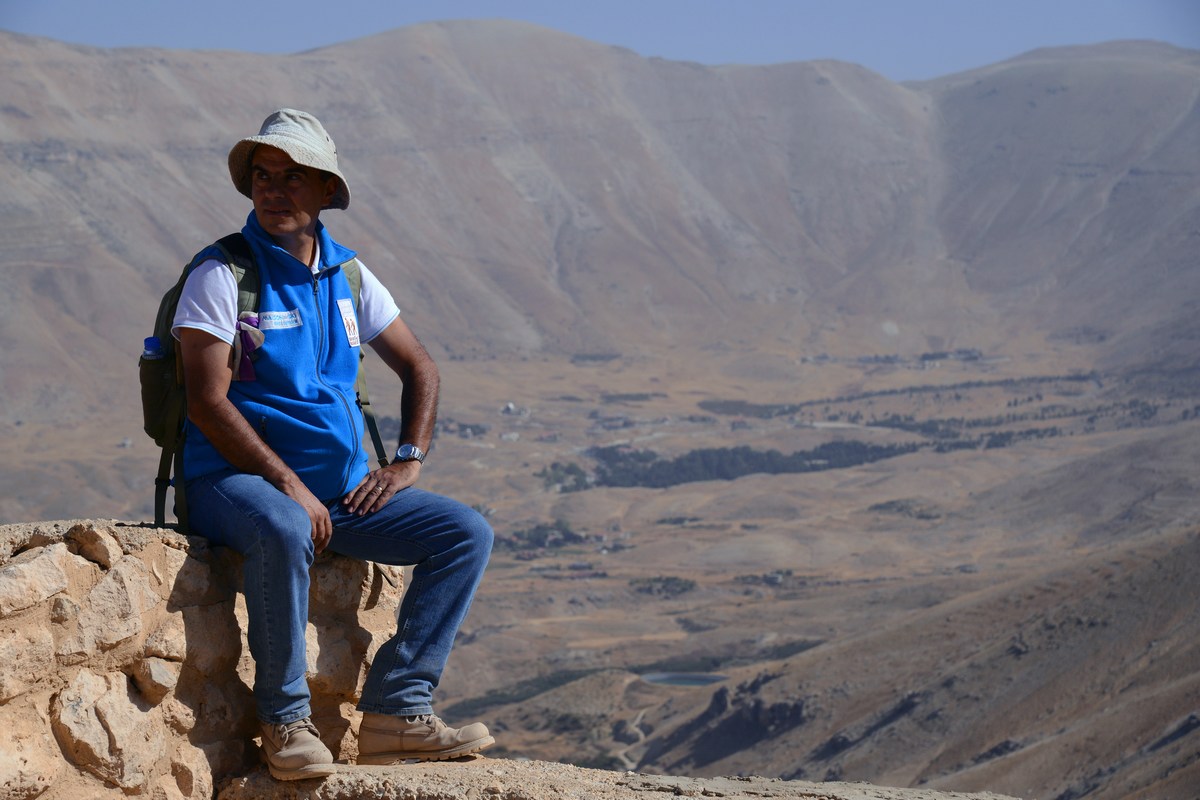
[301, 136]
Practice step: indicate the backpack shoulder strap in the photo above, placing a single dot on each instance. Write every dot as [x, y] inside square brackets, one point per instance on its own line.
[240, 260]
[353, 272]
[353, 277]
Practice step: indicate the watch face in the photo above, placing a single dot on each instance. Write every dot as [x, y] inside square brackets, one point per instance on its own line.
[409, 452]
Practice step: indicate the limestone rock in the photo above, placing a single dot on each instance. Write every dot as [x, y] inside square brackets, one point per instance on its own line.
[214, 640]
[30, 761]
[207, 576]
[105, 732]
[63, 609]
[23, 654]
[334, 665]
[169, 640]
[114, 607]
[155, 678]
[33, 577]
[133, 639]
[191, 772]
[94, 544]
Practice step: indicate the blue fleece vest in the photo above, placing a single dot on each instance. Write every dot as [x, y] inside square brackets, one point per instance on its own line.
[302, 401]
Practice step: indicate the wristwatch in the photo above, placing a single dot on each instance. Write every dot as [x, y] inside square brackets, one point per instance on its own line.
[410, 452]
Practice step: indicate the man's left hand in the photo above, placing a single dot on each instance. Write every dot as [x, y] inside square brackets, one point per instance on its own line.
[378, 487]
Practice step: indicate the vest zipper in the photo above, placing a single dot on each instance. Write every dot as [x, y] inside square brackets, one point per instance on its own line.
[320, 379]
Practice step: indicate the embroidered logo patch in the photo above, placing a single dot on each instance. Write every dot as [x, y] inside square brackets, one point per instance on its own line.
[276, 320]
[349, 320]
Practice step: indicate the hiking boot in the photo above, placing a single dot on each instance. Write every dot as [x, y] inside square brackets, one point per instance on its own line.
[384, 739]
[294, 751]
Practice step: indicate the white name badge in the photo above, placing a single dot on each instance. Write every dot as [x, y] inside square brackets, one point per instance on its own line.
[277, 320]
[349, 320]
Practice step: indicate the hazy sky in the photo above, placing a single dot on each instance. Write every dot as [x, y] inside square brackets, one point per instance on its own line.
[902, 39]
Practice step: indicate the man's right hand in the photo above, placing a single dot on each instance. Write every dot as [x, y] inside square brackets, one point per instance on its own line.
[318, 514]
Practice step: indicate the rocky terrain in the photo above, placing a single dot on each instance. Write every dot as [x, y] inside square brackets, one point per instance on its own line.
[124, 672]
[832, 429]
[125, 669]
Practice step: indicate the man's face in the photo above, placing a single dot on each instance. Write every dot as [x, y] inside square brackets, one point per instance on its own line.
[287, 196]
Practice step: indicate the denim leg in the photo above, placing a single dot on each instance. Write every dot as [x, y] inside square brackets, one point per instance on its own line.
[449, 544]
[273, 534]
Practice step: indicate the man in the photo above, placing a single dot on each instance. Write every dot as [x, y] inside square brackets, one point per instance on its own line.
[277, 470]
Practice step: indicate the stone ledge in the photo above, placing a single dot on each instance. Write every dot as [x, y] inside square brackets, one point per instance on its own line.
[481, 778]
[124, 667]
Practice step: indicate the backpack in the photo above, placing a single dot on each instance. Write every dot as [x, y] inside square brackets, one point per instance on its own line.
[160, 372]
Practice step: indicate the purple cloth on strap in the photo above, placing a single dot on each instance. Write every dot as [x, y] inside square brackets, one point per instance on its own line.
[249, 337]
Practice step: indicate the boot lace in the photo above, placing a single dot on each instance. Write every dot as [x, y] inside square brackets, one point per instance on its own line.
[286, 730]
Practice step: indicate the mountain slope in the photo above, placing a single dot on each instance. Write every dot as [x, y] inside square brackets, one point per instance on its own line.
[529, 192]
[991, 689]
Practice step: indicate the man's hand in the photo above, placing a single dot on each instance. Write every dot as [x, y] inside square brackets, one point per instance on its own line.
[379, 486]
[406, 357]
[318, 514]
[207, 374]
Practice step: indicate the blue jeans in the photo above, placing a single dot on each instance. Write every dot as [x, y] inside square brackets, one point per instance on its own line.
[447, 542]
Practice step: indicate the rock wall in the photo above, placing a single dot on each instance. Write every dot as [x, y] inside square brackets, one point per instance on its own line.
[124, 668]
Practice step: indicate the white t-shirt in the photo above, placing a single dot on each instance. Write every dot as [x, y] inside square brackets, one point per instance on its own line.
[209, 302]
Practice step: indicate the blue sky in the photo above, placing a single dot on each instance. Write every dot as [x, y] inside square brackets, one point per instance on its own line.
[902, 39]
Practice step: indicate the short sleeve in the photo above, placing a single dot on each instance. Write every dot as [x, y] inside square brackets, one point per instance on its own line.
[208, 301]
[376, 307]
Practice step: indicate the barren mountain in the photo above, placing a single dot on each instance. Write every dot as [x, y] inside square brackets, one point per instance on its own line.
[876, 401]
[527, 193]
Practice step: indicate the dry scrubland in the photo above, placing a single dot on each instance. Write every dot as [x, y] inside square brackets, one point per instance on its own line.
[988, 278]
[1013, 619]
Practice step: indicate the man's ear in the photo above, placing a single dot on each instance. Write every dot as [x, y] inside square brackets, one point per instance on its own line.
[331, 187]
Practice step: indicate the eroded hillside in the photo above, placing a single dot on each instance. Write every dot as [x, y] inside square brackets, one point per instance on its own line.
[876, 401]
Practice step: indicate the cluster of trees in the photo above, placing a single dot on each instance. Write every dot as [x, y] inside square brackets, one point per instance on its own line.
[908, 508]
[943, 430]
[562, 477]
[743, 408]
[543, 535]
[621, 466]
[773, 578]
[953, 428]
[663, 585]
